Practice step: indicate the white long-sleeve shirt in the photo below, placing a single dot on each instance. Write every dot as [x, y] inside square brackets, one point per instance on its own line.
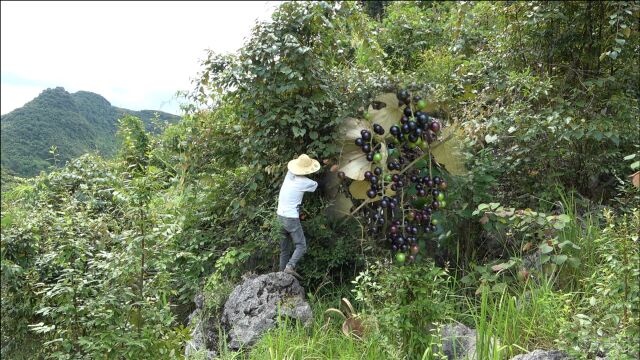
[291, 193]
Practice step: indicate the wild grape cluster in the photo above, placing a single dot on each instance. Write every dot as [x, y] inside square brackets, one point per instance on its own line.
[407, 193]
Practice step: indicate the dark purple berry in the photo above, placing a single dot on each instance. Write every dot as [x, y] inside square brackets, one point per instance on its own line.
[371, 194]
[366, 148]
[367, 175]
[407, 111]
[394, 130]
[404, 119]
[377, 171]
[412, 125]
[402, 94]
[359, 142]
[370, 156]
[405, 128]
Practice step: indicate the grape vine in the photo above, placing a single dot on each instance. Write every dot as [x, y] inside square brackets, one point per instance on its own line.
[390, 168]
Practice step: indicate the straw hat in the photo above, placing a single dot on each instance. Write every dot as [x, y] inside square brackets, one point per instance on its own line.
[303, 165]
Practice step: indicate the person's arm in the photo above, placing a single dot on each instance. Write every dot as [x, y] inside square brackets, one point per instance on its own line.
[309, 185]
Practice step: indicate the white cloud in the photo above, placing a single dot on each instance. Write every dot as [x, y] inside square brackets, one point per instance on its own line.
[136, 54]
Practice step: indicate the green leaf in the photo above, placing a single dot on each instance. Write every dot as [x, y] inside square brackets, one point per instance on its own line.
[483, 206]
[545, 248]
[559, 259]
[298, 132]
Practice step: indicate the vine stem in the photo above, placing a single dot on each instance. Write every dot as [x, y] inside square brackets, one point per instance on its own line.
[427, 153]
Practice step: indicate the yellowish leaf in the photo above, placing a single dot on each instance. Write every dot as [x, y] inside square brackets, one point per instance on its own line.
[340, 208]
[448, 151]
[358, 189]
[389, 114]
[353, 162]
[350, 129]
[635, 179]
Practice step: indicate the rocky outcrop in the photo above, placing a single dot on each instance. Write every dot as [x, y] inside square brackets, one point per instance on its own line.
[542, 355]
[203, 337]
[254, 307]
[458, 342]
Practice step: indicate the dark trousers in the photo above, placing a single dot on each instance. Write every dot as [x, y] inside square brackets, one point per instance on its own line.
[291, 234]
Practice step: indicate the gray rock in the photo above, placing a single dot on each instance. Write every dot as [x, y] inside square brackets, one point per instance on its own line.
[201, 332]
[458, 342]
[253, 307]
[542, 355]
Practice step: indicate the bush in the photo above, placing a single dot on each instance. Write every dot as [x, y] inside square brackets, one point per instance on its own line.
[406, 301]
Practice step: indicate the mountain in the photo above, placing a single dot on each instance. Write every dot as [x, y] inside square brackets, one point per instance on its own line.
[75, 123]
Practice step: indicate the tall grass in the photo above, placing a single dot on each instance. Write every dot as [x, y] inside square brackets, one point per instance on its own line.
[583, 231]
[322, 340]
[508, 324]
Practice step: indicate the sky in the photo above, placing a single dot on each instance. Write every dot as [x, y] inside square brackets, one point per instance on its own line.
[135, 54]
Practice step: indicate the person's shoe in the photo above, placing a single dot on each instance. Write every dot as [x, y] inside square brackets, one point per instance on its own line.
[289, 270]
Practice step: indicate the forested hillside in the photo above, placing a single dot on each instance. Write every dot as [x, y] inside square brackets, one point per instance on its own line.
[74, 123]
[479, 167]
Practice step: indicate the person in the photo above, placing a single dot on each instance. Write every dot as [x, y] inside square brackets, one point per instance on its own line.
[293, 187]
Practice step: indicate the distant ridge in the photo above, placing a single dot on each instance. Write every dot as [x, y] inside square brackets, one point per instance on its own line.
[75, 123]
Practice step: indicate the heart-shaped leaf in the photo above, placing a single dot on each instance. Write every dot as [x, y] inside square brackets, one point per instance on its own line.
[340, 208]
[350, 129]
[358, 189]
[388, 115]
[353, 162]
[448, 151]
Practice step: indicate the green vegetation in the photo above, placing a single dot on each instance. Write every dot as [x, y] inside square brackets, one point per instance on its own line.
[74, 124]
[101, 258]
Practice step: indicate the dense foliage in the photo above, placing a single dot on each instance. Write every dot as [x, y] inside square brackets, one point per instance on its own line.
[73, 124]
[102, 258]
